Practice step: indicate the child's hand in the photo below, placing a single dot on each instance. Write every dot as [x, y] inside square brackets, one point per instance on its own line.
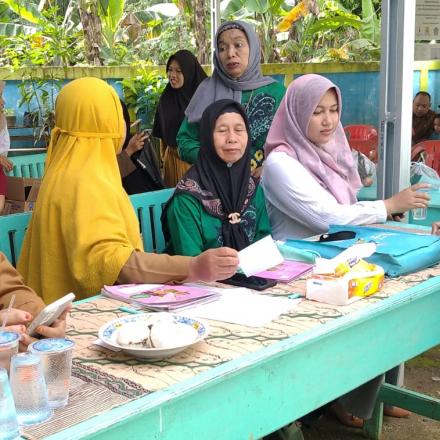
[6, 163]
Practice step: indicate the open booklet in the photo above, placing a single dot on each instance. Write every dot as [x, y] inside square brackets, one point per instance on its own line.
[161, 297]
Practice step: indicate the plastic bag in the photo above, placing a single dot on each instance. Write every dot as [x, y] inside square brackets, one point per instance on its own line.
[366, 168]
[421, 173]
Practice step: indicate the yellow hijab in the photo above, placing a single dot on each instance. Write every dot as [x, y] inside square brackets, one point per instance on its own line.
[83, 228]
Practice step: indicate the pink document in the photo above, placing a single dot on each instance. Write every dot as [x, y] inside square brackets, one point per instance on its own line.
[286, 271]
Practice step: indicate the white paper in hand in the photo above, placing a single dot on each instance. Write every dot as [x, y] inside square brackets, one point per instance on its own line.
[259, 256]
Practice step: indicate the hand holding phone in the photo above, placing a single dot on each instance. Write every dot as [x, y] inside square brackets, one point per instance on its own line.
[50, 313]
[255, 283]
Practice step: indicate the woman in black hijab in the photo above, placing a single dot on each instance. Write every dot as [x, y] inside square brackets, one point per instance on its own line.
[218, 202]
[185, 74]
[137, 162]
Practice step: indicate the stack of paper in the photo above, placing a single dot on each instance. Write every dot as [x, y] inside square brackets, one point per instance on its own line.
[160, 297]
[243, 306]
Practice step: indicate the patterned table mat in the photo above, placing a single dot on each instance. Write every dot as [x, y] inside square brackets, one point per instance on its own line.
[118, 378]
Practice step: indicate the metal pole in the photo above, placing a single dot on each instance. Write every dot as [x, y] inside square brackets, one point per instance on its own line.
[215, 23]
[396, 85]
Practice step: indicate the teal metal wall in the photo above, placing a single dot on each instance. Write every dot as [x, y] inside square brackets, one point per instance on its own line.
[360, 90]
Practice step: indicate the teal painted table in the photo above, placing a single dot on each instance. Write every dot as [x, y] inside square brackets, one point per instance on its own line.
[433, 213]
[273, 376]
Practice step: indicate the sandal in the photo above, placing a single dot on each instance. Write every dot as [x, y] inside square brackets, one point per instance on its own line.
[395, 411]
[344, 417]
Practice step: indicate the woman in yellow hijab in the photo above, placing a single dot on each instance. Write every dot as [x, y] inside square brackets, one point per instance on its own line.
[84, 232]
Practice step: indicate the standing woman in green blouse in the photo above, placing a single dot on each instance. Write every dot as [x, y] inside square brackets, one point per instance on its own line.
[237, 75]
[218, 203]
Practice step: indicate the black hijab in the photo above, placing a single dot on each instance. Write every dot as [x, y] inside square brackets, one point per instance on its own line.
[221, 188]
[173, 102]
[146, 177]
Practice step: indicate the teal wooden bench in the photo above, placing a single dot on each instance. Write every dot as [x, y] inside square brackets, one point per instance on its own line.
[148, 207]
[28, 165]
[12, 230]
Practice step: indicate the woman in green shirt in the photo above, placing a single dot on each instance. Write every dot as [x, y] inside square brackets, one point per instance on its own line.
[218, 203]
[237, 75]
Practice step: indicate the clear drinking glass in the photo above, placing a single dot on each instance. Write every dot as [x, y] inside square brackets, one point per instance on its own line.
[29, 389]
[419, 214]
[56, 359]
[8, 415]
[8, 347]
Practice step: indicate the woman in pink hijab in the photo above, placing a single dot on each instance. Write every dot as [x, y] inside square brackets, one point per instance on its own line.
[309, 177]
[310, 181]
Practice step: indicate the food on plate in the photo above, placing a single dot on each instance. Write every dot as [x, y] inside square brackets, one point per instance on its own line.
[162, 333]
[165, 334]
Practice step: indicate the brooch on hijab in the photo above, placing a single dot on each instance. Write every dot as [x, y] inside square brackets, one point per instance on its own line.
[234, 218]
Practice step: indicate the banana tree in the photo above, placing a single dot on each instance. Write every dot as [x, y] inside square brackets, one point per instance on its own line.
[334, 33]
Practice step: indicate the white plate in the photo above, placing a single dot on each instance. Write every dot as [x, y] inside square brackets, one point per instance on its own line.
[108, 333]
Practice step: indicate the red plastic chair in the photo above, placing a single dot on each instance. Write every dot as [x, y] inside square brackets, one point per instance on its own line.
[429, 152]
[363, 138]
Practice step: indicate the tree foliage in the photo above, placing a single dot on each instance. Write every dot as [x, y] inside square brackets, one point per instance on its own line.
[124, 31]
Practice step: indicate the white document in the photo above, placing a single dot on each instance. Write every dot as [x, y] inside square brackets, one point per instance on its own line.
[242, 306]
[259, 256]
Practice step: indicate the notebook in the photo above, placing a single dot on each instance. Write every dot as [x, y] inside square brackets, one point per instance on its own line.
[286, 271]
[159, 296]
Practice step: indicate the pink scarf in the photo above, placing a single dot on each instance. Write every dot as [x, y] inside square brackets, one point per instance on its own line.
[3, 122]
[332, 163]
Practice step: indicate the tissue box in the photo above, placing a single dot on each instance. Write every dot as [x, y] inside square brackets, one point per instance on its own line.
[358, 282]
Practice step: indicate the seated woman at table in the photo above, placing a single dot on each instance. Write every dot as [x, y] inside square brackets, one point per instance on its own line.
[27, 304]
[218, 202]
[83, 232]
[184, 74]
[237, 75]
[309, 178]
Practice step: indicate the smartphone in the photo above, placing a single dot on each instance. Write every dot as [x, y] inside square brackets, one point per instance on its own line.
[50, 313]
[255, 283]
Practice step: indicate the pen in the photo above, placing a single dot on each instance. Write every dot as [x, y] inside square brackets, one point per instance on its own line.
[295, 296]
[129, 310]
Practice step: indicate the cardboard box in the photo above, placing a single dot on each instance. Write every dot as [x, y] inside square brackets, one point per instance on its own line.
[21, 194]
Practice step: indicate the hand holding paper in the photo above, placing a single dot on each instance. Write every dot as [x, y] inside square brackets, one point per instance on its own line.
[259, 256]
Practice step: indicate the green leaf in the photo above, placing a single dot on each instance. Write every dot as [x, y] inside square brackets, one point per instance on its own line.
[24, 9]
[11, 29]
[332, 23]
[360, 44]
[258, 6]
[368, 10]
[334, 6]
[103, 4]
[111, 12]
[371, 30]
